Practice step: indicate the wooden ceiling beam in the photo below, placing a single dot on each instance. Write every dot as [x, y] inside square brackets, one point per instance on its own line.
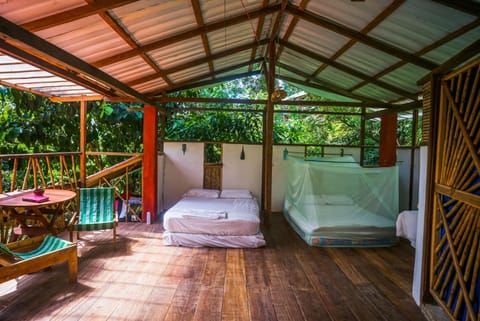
[63, 17]
[320, 85]
[107, 17]
[372, 24]
[194, 82]
[19, 37]
[200, 23]
[395, 109]
[190, 85]
[44, 65]
[291, 27]
[349, 70]
[196, 62]
[186, 35]
[463, 56]
[358, 36]
[457, 33]
[258, 34]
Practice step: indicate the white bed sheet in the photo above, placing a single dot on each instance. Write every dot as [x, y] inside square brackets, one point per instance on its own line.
[407, 226]
[242, 216]
[207, 240]
[340, 221]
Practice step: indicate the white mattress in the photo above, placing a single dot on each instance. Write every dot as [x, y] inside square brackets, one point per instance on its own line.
[213, 216]
[344, 221]
[407, 226]
[201, 240]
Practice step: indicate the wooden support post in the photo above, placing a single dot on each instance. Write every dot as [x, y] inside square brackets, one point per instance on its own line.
[149, 181]
[388, 140]
[83, 143]
[268, 139]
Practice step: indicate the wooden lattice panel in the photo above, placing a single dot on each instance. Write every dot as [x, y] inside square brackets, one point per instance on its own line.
[455, 261]
[426, 106]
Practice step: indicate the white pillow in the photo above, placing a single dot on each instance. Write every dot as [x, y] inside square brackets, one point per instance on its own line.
[338, 199]
[235, 193]
[202, 192]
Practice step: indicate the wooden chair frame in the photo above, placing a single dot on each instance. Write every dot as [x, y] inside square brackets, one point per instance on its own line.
[12, 268]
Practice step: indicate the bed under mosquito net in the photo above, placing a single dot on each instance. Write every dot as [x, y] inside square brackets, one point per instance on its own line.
[335, 202]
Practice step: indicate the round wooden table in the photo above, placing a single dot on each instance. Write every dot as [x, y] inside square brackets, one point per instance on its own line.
[45, 212]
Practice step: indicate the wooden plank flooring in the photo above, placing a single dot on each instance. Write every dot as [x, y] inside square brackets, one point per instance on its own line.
[285, 281]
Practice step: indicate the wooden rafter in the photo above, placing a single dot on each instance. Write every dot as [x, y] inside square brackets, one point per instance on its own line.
[258, 34]
[208, 59]
[319, 84]
[302, 5]
[372, 24]
[198, 17]
[462, 56]
[349, 70]
[36, 61]
[365, 39]
[22, 38]
[107, 17]
[202, 80]
[99, 6]
[436, 44]
[186, 35]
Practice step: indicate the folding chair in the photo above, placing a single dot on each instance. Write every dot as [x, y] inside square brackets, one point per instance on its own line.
[37, 253]
[95, 211]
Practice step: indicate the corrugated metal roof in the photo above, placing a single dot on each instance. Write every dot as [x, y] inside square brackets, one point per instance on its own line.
[137, 50]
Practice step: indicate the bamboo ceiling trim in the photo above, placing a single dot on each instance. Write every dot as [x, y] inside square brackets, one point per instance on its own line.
[455, 261]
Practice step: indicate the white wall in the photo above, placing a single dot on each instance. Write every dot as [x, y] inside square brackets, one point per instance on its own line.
[247, 173]
[182, 171]
[417, 270]
[160, 182]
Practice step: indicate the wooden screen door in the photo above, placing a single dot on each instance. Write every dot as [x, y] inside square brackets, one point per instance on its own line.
[455, 249]
[212, 166]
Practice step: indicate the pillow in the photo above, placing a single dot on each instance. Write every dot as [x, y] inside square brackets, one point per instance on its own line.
[235, 193]
[338, 199]
[202, 192]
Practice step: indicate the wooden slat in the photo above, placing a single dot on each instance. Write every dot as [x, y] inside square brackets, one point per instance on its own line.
[287, 280]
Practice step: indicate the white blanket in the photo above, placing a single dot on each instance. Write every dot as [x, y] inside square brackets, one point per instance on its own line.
[204, 214]
[194, 215]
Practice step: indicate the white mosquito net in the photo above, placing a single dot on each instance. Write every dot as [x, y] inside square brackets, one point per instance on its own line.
[334, 201]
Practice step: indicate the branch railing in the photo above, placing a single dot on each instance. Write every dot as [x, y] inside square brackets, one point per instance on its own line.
[21, 172]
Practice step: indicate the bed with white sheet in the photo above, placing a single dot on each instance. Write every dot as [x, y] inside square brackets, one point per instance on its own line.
[211, 218]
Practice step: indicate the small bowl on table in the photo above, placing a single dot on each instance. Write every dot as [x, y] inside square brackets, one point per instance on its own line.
[38, 191]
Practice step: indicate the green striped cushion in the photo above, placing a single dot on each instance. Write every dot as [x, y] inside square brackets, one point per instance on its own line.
[49, 244]
[96, 209]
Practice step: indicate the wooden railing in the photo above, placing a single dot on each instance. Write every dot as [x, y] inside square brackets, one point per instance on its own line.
[20, 172]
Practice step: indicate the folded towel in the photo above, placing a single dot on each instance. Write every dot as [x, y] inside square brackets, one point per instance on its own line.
[205, 214]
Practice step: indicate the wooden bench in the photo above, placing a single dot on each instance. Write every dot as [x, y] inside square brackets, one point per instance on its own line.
[37, 253]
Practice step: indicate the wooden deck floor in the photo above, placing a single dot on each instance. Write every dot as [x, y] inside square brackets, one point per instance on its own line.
[287, 280]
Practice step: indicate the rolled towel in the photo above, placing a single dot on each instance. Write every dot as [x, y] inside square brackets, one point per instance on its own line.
[205, 214]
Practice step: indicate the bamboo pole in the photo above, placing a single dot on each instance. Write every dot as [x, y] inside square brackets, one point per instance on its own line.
[50, 170]
[14, 174]
[456, 265]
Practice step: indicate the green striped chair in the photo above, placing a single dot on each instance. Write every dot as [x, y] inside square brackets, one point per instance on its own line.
[37, 253]
[95, 211]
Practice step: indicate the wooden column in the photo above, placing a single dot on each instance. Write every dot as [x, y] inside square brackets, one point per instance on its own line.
[83, 143]
[388, 140]
[268, 138]
[149, 181]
